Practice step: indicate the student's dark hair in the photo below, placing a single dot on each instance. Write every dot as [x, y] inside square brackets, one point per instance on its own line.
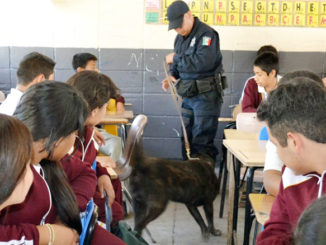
[81, 60]
[298, 105]
[267, 48]
[267, 61]
[300, 73]
[96, 87]
[52, 111]
[32, 65]
[311, 224]
[15, 153]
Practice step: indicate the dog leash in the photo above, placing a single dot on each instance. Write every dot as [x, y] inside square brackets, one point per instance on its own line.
[175, 99]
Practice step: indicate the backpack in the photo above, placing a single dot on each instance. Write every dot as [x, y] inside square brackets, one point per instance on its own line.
[129, 236]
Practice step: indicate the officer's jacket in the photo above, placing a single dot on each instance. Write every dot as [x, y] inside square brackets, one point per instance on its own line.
[197, 55]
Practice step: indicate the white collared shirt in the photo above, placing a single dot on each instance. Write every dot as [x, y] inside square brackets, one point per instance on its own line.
[9, 105]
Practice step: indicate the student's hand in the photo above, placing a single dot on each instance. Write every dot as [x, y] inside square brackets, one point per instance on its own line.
[104, 183]
[62, 235]
[120, 108]
[98, 137]
[106, 161]
[324, 81]
[169, 58]
[165, 83]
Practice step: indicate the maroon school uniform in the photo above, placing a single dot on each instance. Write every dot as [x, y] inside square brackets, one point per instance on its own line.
[296, 193]
[80, 175]
[251, 97]
[18, 222]
[90, 156]
[21, 219]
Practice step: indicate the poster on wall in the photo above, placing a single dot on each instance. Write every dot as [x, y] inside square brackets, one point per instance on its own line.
[284, 13]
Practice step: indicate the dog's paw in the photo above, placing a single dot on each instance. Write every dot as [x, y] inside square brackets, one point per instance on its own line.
[216, 232]
[205, 235]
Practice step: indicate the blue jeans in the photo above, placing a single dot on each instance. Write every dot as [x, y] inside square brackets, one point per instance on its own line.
[200, 114]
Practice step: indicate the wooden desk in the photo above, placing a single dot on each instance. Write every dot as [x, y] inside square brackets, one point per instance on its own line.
[234, 134]
[262, 205]
[117, 118]
[226, 119]
[250, 154]
[112, 173]
[247, 152]
[121, 119]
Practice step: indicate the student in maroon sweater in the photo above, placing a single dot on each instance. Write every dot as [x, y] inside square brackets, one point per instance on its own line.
[109, 144]
[97, 89]
[265, 80]
[16, 175]
[54, 112]
[296, 117]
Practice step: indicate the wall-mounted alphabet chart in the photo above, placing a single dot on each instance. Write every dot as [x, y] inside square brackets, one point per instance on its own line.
[246, 12]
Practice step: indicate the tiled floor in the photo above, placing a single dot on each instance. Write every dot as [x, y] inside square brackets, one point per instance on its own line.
[177, 227]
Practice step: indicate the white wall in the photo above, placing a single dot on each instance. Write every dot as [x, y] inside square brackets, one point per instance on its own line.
[120, 24]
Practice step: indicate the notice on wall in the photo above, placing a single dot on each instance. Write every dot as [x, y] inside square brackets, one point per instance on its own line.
[284, 13]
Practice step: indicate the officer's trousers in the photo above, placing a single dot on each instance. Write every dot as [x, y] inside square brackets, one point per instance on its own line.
[200, 114]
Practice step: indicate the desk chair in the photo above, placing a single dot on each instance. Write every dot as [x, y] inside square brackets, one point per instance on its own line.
[261, 205]
[134, 135]
[89, 222]
[123, 168]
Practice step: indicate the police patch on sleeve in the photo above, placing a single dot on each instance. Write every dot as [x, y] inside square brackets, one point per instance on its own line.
[206, 41]
[193, 41]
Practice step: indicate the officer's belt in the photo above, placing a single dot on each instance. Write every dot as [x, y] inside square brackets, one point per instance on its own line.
[190, 88]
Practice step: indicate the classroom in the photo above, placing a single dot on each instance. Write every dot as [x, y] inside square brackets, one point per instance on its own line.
[139, 49]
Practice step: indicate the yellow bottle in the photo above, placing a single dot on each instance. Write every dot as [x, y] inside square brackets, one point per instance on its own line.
[111, 129]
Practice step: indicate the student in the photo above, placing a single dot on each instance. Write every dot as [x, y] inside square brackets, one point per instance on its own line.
[34, 68]
[251, 80]
[87, 62]
[311, 225]
[265, 69]
[38, 66]
[54, 112]
[16, 176]
[296, 117]
[97, 88]
[110, 144]
[273, 164]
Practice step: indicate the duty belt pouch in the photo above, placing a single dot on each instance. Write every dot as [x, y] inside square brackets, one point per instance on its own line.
[205, 85]
[224, 82]
[186, 88]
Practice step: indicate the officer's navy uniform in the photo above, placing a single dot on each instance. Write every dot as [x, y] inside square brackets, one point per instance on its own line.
[198, 60]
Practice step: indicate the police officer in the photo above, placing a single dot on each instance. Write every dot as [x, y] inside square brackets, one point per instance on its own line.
[195, 67]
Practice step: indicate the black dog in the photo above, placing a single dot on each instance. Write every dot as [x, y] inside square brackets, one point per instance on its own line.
[155, 181]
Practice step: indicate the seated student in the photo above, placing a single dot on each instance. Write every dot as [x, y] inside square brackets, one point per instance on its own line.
[251, 80]
[295, 113]
[87, 62]
[265, 69]
[273, 165]
[16, 176]
[312, 224]
[97, 88]
[34, 68]
[110, 145]
[54, 112]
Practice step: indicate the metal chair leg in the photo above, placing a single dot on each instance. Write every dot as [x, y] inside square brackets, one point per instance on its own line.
[220, 175]
[225, 177]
